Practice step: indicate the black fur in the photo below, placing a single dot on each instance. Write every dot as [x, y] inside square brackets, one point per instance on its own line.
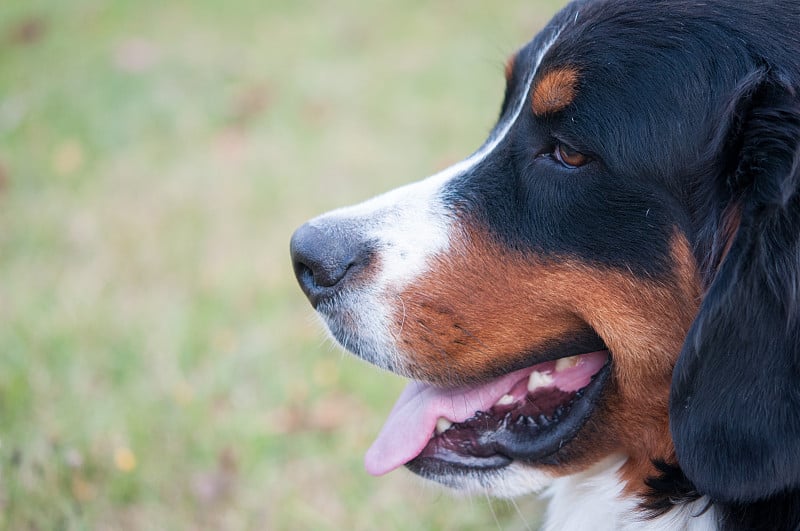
[778, 512]
[668, 489]
[735, 404]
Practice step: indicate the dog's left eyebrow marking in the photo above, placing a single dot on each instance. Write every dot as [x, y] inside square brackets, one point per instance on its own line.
[555, 91]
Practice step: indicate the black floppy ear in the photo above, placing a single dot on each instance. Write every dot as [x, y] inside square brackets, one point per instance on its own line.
[735, 399]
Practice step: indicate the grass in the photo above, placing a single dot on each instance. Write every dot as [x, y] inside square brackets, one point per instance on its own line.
[159, 368]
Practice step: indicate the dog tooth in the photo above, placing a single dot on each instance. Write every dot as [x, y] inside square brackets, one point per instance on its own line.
[538, 379]
[566, 363]
[505, 400]
[442, 425]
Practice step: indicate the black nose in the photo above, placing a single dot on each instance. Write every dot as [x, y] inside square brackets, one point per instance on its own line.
[325, 258]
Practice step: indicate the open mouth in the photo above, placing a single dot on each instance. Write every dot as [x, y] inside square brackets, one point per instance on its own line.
[526, 415]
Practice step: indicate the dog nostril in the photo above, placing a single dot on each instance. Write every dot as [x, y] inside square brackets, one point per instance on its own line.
[322, 259]
[304, 273]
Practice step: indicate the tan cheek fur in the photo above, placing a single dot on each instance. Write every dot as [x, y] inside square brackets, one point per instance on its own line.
[483, 305]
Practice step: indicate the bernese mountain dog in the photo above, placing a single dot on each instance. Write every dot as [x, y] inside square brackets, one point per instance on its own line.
[603, 301]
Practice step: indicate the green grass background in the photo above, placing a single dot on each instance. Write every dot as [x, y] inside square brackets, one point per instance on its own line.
[159, 368]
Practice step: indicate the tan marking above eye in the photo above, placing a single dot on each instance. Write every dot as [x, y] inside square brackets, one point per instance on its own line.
[555, 91]
[509, 68]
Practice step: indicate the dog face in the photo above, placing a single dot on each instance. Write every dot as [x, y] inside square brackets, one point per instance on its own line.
[539, 292]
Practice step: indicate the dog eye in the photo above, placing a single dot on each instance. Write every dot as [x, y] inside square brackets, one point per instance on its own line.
[568, 156]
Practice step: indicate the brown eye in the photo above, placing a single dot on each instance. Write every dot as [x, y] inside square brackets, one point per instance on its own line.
[569, 157]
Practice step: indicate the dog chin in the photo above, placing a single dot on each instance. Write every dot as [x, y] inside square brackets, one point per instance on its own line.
[370, 343]
[514, 480]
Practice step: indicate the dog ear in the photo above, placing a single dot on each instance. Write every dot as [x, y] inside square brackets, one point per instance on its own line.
[735, 398]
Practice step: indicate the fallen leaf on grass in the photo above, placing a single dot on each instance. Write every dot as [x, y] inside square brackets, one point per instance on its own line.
[216, 485]
[315, 113]
[28, 30]
[68, 157]
[326, 414]
[81, 489]
[135, 55]
[252, 101]
[183, 393]
[124, 459]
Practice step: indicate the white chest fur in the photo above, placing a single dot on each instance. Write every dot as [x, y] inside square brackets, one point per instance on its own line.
[593, 500]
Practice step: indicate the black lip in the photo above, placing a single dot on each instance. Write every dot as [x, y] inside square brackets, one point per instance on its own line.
[518, 444]
[517, 441]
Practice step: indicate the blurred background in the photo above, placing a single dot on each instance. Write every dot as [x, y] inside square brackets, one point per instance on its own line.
[159, 367]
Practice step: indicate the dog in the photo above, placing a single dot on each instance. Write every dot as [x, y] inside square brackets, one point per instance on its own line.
[603, 300]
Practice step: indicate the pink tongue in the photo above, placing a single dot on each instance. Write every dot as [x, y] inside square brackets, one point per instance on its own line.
[413, 419]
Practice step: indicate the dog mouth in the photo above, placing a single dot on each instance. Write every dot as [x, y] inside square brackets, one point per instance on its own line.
[527, 415]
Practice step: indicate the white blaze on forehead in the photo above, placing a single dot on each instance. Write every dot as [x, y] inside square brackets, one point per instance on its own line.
[410, 224]
[405, 226]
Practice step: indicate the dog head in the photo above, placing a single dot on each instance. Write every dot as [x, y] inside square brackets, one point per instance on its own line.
[639, 180]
